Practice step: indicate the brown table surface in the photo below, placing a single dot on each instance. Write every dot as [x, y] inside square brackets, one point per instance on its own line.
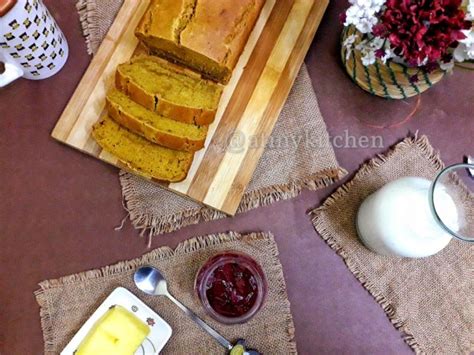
[59, 207]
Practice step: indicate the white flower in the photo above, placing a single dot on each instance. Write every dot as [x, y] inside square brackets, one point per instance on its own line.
[447, 66]
[369, 58]
[349, 44]
[369, 3]
[470, 9]
[362, 14]
[377, 42]
[367, 48]
[423, 62]
[465, 49]
[363, 46]
[349, 41]
[388, 55]
[365, 25]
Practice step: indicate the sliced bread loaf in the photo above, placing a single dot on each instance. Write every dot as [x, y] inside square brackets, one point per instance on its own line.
[154, 127]
[206, 35]
[141, 155]
[169, 90]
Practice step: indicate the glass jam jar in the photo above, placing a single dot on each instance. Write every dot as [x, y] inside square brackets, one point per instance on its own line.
[232, 287]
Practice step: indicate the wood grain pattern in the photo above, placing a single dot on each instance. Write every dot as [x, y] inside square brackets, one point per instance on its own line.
[280, 94]
[250, 105]
[241, 96]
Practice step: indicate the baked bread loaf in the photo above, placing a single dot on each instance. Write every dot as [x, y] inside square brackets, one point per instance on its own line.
[206, 35]
[140, 155]
[158, 129]
[169, 90]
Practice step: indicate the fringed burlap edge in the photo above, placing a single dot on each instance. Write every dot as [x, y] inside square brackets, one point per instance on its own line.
[424, 146]
[188, 246]
[152, 225]
[86, 9]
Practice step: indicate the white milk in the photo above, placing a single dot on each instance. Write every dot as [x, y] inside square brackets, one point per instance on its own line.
[397, 219]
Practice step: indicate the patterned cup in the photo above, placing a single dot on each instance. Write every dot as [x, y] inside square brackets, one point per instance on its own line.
[31, 44]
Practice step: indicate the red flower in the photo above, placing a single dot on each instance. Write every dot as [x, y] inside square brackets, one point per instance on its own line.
[422, 31]
[379, 53]
[379, 30]
[342, 17]
[430, 67]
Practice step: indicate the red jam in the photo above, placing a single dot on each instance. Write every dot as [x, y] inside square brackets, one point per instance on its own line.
[231, 290]
[231, 287]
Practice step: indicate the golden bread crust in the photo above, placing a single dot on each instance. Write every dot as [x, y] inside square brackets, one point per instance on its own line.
[220, 29]
[152, 134]
[154, 102]
[206, 35]
[117, 140]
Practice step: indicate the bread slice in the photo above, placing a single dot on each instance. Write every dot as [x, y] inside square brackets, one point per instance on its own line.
[206, 35]
[156, 128]
[140, 155]
[169, 90]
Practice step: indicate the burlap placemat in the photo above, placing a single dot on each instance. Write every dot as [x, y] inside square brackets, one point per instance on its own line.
[429, 300]
[67, 303]
[299, 154]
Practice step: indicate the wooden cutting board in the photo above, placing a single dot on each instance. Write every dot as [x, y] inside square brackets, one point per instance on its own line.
[249, 107]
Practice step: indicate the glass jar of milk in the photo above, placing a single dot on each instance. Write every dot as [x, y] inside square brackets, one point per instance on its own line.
[415, 217]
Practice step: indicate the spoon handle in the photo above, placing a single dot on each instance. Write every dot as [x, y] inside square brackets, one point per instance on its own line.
[223, 341]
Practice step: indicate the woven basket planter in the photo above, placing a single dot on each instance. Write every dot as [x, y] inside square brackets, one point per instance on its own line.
[390, 80]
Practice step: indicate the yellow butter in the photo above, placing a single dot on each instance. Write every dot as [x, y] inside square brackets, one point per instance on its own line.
[117, 332]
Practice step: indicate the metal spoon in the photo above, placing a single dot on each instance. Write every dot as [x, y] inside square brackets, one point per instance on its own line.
[149, 280]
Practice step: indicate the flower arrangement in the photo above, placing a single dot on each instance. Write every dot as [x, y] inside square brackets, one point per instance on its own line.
[428, 35]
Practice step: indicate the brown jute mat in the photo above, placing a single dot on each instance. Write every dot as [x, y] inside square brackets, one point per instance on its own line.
[429, 300]
[67, 303]
[298, 155]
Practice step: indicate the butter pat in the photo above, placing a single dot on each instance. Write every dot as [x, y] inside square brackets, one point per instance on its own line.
[117, 332]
